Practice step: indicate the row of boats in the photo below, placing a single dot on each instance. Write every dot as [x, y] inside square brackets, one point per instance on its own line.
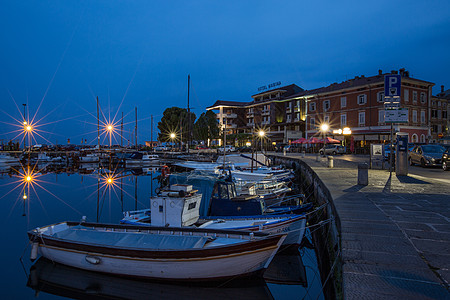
[184, 234]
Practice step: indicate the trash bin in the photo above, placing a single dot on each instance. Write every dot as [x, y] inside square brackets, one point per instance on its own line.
[330, 161]
[363, 174]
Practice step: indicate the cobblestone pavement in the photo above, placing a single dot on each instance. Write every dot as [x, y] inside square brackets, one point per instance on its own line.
[395, 231]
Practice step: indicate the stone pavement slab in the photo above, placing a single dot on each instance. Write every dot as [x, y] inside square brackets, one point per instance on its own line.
[395, 232]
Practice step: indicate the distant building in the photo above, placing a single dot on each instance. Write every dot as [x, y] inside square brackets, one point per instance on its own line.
[290, 112]
[439, 115]
[151, 143]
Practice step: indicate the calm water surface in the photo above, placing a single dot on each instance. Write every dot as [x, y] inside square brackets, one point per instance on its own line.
[61, 197]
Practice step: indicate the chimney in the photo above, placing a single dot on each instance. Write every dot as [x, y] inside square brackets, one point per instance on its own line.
[402, 71]
[380, 72]
[442, 88]
[406, 73]
[394, 72]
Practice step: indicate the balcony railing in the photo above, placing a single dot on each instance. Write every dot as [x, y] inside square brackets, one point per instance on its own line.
[265, 112]
[250, 124]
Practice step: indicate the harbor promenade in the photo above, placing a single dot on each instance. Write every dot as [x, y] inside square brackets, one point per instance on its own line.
[395, 231]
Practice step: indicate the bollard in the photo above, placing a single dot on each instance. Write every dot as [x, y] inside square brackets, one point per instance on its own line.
[303, 153]
[284, 152]
[363, 174]
[330, 162]
[318, 157]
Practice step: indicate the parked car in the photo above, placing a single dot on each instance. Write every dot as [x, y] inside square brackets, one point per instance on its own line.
[201, 147]
[161, 148]
[228, 148]
[446, 160]
[426, 155]
[332, 149]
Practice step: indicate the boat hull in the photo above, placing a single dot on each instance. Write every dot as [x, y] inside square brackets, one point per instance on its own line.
[293, 226]
[212, 263]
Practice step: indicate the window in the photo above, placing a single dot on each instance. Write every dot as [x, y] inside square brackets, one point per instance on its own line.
[326, 105]
[343, 102]
[444, 114]
[361, 118]
[380, 97]
[312, 122]
[362, 99]
[414, 96]
[414, 116]
[434, 128]
[439, 103]
[422, 117]
[406, 95]
[422, 138]
[423, 98]
[312, 106]
[434, 113]
[326, 119]
[381, 116]
[343, 119]
[439, 114]
[297, 117]
[288, 118]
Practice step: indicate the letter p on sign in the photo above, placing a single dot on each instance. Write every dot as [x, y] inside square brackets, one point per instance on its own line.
[392, 84]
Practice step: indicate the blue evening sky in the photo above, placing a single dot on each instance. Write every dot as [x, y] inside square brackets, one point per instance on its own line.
[57, 56]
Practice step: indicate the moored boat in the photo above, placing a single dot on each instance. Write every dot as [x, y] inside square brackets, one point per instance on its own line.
[155, 252]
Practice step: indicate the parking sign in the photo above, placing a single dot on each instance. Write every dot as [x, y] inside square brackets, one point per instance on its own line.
[392, 85]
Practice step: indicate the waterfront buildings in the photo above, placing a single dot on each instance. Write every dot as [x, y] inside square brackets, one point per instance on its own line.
[357, 105]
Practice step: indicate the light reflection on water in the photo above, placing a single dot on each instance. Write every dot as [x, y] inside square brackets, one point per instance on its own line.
[69, 196]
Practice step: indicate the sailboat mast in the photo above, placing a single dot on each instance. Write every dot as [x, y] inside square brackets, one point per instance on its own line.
[135, 128]
[189, 118]
[98, 127]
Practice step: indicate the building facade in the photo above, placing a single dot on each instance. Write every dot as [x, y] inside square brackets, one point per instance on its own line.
[353, 111]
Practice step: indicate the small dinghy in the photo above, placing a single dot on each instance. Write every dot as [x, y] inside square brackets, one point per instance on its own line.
[155, 252]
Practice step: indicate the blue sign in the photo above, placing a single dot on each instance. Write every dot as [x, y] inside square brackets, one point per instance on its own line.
[392, 85]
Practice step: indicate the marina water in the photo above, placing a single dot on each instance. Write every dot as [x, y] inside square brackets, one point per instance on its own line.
[62, 195]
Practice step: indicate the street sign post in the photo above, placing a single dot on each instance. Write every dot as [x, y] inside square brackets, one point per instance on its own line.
[399, 115]
[392, 111]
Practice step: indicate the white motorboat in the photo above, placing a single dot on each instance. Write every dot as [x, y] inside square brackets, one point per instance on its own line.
[155, 252]
[180, 207]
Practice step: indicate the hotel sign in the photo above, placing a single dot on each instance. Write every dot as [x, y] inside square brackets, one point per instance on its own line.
[269, 86]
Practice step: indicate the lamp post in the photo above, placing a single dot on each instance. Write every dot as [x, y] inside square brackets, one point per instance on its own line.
[261, 134]
[24, 123]
[172, 137]
[324, 128]
[110, 128]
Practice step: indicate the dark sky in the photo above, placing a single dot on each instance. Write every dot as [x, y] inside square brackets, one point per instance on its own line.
[59, 55]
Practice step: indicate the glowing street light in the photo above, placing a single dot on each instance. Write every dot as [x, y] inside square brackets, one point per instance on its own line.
[172, 137]
[261, 133]
[324, 128]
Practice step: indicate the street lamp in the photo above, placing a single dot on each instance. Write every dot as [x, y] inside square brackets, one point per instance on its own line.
[24, 123]
[324, 128]
[261, 134]
[110, 128]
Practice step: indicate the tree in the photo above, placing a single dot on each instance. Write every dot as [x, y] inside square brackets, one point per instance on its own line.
[206, 126]
[175, 120]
